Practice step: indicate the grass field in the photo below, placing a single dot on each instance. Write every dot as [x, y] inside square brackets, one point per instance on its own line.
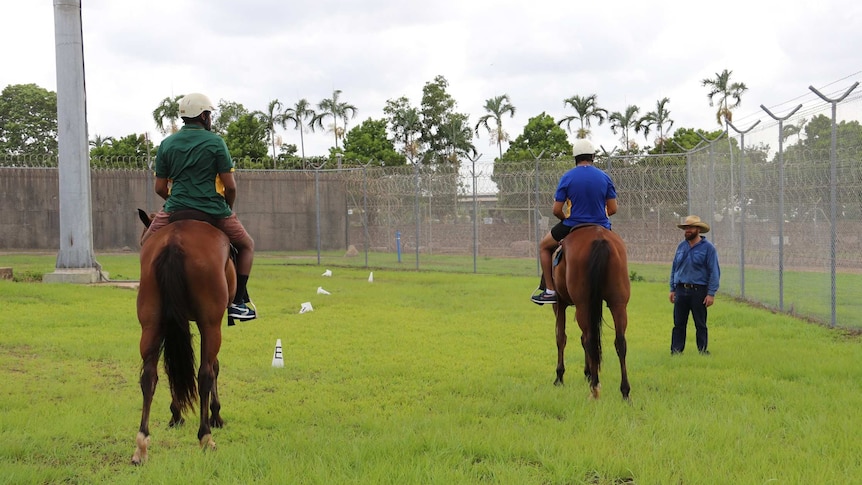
[427, 377]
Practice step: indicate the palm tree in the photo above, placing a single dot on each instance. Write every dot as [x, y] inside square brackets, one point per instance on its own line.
[496, 108]
[725, 90]
[167, 111]
[99, 141]
[337, 110]
[623, 122]
[459, 137]
[660, 118]
[271, 118]
[300, 112]
[587, 109]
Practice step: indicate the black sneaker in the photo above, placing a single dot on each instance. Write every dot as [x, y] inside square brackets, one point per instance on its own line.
[543, 298]
[241, 312]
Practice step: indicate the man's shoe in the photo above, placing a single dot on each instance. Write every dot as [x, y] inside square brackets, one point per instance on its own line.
[543, 298]
[241, 312]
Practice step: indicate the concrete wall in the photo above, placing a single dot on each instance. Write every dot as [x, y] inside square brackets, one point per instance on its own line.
[277, 208]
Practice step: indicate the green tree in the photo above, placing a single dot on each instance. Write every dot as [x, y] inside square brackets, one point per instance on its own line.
[496, 107]
[541, 135]
[228, 112]
[624, 123]
[130, 151]
[99, 141]
[405, 123]
[246, 141]
[297, 115]
[459, 136]
[660, 119]
[720, 86]
[438, 113]
[587, 109]
[368, 143]
[272, 118]
[28, 120]
[167, 113]
[337, 110]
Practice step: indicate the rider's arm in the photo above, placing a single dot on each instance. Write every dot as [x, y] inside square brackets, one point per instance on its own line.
[162, 188]
[558, 210]
[229, 183]
[611, 206]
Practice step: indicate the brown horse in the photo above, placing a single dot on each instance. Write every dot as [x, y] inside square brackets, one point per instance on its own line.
[593, 268]
[186, 274]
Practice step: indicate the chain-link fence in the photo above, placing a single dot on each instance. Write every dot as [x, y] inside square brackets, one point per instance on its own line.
[782, 198]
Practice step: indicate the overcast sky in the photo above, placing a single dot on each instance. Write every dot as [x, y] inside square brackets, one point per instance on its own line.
[538, 52]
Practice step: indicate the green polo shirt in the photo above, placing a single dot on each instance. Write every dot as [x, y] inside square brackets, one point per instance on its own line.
[192, 158]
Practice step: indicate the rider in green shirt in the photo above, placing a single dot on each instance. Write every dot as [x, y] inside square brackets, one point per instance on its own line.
[191, 166]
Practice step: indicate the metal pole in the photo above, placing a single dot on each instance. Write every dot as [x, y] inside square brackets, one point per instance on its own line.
[780, 200]
[475, 215]
[76, 262]
[365, 209]
[317, 205]
[833, 191]
[742, 204]
[416, 212]
[536, 212]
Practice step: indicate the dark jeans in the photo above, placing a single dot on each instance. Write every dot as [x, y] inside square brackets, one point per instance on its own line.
[689, 300]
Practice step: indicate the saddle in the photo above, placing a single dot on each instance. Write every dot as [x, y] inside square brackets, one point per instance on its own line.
[558, 253]
[193, 215]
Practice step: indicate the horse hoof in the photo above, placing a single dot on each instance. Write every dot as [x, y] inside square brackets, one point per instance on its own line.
[558, 382]
[141, 444]
[207, 442]
[173, 423]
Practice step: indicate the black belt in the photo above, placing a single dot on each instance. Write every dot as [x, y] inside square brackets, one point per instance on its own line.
[690, 286]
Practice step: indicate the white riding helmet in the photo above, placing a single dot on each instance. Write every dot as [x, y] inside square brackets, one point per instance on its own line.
[582, 146]
[193, 104]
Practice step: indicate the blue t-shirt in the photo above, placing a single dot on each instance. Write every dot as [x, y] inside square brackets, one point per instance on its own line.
[588, 188]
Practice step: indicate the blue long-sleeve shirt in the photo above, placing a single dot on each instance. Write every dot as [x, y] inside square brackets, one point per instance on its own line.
[697, 265]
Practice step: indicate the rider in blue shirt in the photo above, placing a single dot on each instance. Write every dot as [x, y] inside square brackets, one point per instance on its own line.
[694, 278]
[593, 198]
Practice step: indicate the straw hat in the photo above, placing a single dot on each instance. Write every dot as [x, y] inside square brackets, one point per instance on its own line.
[696, 222]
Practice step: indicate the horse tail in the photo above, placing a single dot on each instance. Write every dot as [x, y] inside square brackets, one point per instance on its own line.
[174, 322]
[597, 275]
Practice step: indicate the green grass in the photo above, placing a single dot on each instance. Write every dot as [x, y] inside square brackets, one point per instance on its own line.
[424, 378]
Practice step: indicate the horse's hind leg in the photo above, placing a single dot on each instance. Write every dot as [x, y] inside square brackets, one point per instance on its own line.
[149, 378]
[620, 323]
[176, 413]
[560, 311]
[216, 420]
[210, 344]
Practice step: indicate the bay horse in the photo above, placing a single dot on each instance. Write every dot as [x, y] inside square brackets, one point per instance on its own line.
[186, 275]
[593, 268]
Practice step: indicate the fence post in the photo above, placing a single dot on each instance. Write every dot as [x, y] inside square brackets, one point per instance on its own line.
[780, 199]
[833, 189]
[317, 168]
[416, 211]
[365, 208]
[742, 203]
[536, 212]
[475, 214]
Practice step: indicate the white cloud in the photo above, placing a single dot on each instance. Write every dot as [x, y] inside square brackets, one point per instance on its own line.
[536, 52]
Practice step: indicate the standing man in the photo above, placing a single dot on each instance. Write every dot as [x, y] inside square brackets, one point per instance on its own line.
[593, 198]
[194, 170]
[694, 279]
